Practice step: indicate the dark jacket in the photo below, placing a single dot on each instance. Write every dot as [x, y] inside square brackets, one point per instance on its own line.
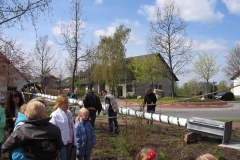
[90, 99]
[150, 98]
[38, 138]
[85, 137]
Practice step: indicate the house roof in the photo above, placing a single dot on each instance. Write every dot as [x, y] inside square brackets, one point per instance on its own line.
[151, 55]
[5, 59]
[235, 75]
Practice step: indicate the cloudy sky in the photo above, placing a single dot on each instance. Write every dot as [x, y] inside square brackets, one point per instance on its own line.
[212, 25]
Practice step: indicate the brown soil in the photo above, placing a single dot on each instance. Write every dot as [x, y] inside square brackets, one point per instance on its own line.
[166, 139]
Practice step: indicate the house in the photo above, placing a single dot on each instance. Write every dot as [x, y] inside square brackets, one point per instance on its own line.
[128, 85]
[10, 77]
[236, 82]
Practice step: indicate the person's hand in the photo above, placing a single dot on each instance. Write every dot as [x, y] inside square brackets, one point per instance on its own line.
[14, 119]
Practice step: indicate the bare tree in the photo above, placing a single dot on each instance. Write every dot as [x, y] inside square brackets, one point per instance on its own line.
[168, 38]
[205, 66]
[42, 58]
[232, 61]
[13, 13]
[73, 33]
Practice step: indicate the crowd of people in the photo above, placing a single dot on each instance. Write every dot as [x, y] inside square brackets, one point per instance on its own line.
[31, 135]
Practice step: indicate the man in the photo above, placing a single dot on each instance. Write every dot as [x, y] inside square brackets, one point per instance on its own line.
[111, 107]
[74, 94]
[92, 102]
[150, 99]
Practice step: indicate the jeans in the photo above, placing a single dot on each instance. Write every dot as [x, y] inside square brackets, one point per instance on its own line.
[112, 118]
[85, 157]
[65, 153]
[150, 109]
[92, 116]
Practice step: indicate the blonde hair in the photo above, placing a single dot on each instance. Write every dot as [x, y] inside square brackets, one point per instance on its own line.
[60, 99]
[23, 107]
[143, 154]
[81, 112]
[34, 109]
[206, 157]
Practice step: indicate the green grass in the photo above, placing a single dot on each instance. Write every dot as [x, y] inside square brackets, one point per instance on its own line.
[227, 120]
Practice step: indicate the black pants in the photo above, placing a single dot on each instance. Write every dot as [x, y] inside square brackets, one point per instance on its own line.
[92, 116]
[112, 119]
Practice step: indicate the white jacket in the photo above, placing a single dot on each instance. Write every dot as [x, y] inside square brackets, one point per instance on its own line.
[60, 119]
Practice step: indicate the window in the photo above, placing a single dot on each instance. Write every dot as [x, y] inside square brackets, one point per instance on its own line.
[160, 87]
[156, 86]
[129, 88]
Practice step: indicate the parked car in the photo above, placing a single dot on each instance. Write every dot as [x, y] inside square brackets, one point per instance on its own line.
[2, 99]
[226, 96]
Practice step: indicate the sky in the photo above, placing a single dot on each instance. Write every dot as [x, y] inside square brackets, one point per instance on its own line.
[212, 25]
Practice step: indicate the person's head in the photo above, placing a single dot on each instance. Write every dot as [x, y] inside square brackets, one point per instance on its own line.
[147, 154]
[35, 109]
[148, 91]
[83, 114]
[104, 92]
[14, 98]
[61, 102]
[23, 107]
[206, 157]
[75, 90]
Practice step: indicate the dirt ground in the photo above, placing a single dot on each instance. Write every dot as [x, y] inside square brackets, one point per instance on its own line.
[166, 139]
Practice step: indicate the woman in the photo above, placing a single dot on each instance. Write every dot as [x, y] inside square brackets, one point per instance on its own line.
[12, 107]
[62, 117]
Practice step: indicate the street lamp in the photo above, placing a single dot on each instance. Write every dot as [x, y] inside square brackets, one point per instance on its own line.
[213, 83]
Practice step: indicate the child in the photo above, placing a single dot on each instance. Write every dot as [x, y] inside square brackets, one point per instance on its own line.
[85, 135]
[38, 138]
[207, 157]
[147, 154]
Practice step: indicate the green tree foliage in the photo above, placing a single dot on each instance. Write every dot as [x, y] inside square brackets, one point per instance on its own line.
[147, 68]
[205, 66]
[110, 62]
[222, 86]
[187, 89]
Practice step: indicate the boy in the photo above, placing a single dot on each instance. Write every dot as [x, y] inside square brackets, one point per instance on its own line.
[38, 138]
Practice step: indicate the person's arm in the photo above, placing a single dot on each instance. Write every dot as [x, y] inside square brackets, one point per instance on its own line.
[99, 105]
[59, 142]
[2, 119]
[14, 140]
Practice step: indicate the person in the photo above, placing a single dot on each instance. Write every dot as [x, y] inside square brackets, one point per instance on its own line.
[2, 125]
[85, 135]
[111, 107]
[74, 94]
[45, 143]
[147, 154]
[92, 102]
[206, 157]
[150, 99]
[62, 117]
[12, 106]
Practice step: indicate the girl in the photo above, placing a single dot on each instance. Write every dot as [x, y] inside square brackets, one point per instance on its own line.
[12, 107]
[147, 154]
[207, 157]
[62, 117]
[85, 135]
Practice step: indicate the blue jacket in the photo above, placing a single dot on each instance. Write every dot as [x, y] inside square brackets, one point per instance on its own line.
[85, 137]
[17, 154]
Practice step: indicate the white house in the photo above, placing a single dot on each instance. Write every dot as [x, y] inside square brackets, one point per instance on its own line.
[236, 84]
